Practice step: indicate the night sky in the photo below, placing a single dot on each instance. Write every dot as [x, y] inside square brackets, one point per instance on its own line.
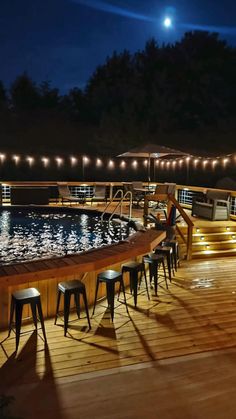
[64, 40]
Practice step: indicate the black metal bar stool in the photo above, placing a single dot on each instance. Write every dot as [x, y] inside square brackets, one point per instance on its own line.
[18, 300]
[69, 288]
[167, 252]
[175, 248]
[154, 261]
[134, 268]
[110, 278]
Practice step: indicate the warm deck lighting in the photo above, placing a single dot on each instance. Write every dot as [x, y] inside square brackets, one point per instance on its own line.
[122, 164]
[197, 230]
[2, 157]
[16, 159]
[45, 161]
[202, 237]
[174, 163]
[227, 228]
[157, 162]
[30, 160]
[85, 160]
[111, 164]
[98, 162]
[59, 161]
[135, 164]
[196, 161]
[180, 162]
[73, 160]
[205, 163]
[145, 162]
[214, 163]
[225, 161]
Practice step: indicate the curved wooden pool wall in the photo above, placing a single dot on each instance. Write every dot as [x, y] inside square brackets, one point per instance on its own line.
[45, 275]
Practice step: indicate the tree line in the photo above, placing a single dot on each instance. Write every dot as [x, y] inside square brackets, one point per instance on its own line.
[181, 95]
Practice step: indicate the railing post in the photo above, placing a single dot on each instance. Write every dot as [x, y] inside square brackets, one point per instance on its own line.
[189, 242]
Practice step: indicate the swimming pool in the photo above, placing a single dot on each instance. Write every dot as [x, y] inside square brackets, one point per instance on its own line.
[32, 234]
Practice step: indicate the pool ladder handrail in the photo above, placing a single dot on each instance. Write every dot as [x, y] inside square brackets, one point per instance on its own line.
[119, 204]
[128, 193]
[120, 191]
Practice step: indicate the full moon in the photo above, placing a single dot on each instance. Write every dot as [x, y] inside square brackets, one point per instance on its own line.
[167, 22]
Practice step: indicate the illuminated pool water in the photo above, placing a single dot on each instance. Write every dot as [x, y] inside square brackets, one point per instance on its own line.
[31, 234]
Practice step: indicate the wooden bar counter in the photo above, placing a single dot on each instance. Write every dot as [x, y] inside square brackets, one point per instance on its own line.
[45, 274]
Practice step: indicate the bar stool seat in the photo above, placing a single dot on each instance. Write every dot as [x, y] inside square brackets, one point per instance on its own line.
[18, 300]
[68, 288]
[154, 261]
[134, 268]
[110, 277]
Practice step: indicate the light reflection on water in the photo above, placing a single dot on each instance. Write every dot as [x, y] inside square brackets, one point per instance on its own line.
[27, 234]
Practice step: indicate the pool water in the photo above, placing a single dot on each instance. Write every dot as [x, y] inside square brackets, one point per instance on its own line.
[30, 234]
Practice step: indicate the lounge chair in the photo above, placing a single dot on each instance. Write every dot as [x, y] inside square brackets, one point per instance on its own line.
[215, 206]
[66, 196]
[99, 193]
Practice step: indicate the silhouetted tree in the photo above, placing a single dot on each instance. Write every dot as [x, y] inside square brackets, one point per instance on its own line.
[24, 94]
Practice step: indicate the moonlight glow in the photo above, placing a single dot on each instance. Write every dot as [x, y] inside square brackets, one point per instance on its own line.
[167, 22]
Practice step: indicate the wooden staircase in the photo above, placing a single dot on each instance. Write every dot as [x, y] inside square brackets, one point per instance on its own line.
[210, 241]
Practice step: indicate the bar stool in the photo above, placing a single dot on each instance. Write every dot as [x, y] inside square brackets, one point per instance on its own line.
[134, 268]
[110, 278]
[154, 261]
[69, 288]
[18, 300]
[175, 247]
[167, 252]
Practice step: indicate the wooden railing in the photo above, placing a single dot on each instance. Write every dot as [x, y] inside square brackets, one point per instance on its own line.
[171, 199]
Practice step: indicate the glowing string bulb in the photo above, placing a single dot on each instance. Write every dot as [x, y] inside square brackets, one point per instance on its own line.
[2, 157]
[85, 160]
[30, 160]
[73, 160]
[16, 159]
[45, 161]
[111, 164]
[145, 162]
[214, 163]
[157, 162]
[59, 161]
[205, 163]
[225, 161]
[180, 162]
[98, 162]
[135, 164]
[196, 161]
[122, 164]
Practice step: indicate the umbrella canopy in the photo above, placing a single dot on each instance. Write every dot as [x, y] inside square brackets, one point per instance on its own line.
[152, 151]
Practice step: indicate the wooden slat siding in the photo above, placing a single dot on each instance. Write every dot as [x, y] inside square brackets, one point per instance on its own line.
[50, 272]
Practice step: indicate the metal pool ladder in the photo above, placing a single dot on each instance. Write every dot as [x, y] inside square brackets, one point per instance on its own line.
[119, 205]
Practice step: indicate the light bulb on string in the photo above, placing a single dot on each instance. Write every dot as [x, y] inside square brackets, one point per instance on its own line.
[122, 164]
[45, 161]
[2, 157]
[30, 160]
[16, 158]
[73, 161]
[135, 164]
[98, 162]
[59, 161]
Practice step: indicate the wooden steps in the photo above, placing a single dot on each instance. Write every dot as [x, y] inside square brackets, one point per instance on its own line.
[212, 240]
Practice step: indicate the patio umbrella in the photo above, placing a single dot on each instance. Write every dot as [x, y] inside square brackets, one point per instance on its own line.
[152, 151]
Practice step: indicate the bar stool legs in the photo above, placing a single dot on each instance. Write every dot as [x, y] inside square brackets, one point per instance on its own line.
[69, 288]
[29, 296]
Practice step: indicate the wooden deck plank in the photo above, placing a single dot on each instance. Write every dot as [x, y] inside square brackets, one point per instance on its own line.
[180, 321]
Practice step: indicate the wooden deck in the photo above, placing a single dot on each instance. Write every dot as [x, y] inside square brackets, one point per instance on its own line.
[197, 314]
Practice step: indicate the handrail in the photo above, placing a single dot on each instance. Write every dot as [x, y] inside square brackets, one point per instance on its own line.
[119, 191]
[128, 193]
[169, 197]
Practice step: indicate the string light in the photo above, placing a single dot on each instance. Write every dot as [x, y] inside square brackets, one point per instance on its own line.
[16, 158]
[98, 162]
[111, 164]
[85, 160]
[2, 157]
[206, 161]
[73, 160]
[59, 161]
[45, 161]
[30, 160]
